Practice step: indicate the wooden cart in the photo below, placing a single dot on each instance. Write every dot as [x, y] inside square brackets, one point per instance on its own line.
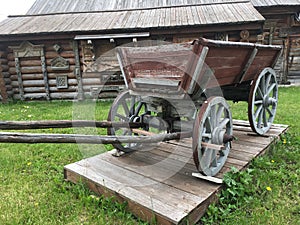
[184, 87]
[176, 91]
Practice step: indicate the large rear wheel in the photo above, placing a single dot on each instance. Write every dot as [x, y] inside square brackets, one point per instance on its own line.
[212, 135]
[262, 101]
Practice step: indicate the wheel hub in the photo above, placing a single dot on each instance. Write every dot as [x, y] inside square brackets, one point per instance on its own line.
[267, 101]
[218, 136]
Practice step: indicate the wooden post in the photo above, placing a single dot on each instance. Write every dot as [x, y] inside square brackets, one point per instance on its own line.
[20, 80]
[78, 70]
[45, 75]
[284, 79]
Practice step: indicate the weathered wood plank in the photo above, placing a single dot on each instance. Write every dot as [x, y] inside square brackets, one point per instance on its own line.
[189, 187]
[140, 204]
[161, 176]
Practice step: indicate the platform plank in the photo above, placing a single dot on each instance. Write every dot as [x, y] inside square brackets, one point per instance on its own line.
[157, 181]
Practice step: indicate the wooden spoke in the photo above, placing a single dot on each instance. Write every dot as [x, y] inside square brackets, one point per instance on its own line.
[219, 113]
[263, 85]
[268, 79]
[259, 92]
[262, 101]
[212, 124]
[125, 107]
[258, 102]
[258, 111]
[214, 162]
[213, 118]
[260, 118]
[224, 122]
[121, 117]
[270, 112]
[270, 89]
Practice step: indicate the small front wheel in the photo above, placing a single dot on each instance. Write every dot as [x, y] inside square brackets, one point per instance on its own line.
[126, 108]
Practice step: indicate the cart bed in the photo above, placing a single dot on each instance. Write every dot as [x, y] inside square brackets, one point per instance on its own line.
[175, 68]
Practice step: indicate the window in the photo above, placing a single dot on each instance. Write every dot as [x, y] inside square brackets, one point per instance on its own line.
[62, 81]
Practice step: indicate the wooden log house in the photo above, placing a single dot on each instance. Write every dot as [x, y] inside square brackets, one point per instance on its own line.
[65, 49]
[282, 27]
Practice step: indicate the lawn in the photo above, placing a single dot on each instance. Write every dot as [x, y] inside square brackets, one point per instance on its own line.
[33, 190]
[271, 195]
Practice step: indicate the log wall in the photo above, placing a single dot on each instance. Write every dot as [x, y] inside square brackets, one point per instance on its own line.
[294, 59]
[276, 31]
[32, 73]
[5, 82]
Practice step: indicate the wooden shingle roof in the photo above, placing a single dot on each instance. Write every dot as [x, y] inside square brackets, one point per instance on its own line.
[268, 3]
[67, 6]
[46, 19]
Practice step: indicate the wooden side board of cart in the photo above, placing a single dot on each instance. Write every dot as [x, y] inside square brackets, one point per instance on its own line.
[176, 91]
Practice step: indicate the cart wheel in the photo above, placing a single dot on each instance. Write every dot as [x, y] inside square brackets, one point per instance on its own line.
[262, 102]
[213, 127]
[130, 108]
[125, 108]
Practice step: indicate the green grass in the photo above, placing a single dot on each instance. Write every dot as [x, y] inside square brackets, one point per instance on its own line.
[271, 195]
[32, 186]
[33, 190]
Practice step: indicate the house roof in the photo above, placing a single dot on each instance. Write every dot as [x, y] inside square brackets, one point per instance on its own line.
[268, 3]
[76, 18]
[67, 6]
[277, 7]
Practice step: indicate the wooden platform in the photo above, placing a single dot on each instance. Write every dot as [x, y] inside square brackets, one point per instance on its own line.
[157, 182]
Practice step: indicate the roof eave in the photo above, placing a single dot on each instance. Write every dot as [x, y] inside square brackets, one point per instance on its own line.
[253, 25]
[279, 9]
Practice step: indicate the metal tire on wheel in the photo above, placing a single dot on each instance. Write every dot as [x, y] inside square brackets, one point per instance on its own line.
[262, 101]
[212, 126]
[125, 108]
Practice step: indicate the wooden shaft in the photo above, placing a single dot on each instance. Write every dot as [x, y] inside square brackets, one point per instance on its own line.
[203, 144]
[212, 146]
[8, 137]
[142, 132]
[26, 125]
